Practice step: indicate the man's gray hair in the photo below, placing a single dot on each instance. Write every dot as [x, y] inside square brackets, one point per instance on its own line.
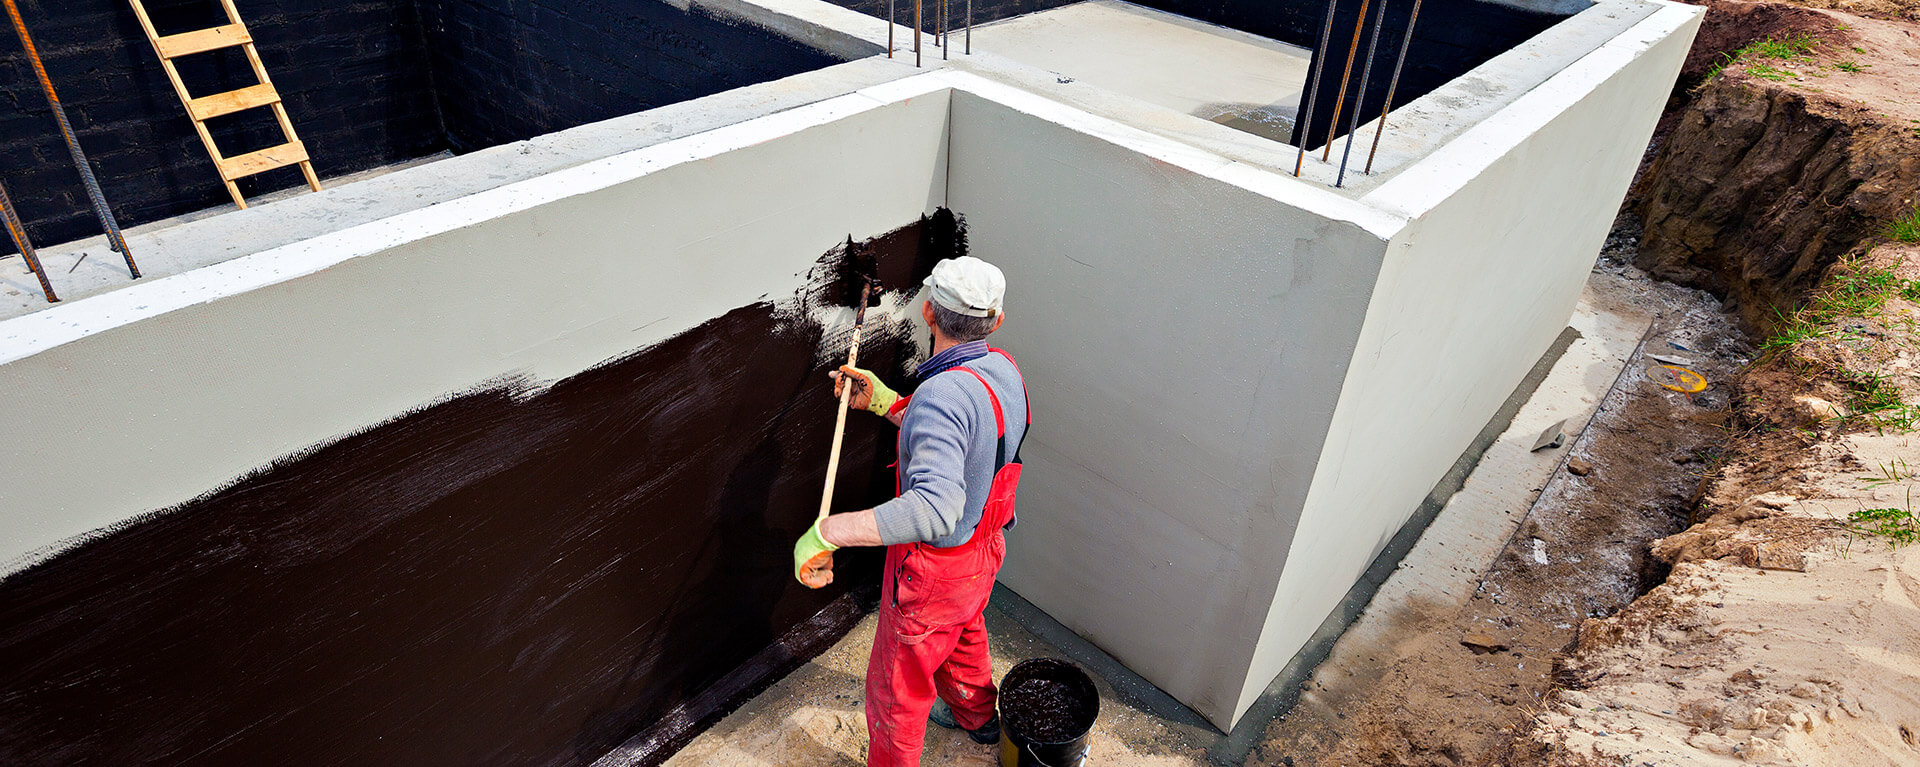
[961, 327]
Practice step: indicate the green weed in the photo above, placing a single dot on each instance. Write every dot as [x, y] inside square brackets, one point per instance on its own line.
[1898, 526]
[1890, 474]
[1906, 228]
[1848, 66]
[1878, 402]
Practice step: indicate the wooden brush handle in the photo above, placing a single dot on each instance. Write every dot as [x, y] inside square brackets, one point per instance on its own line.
[840, 421]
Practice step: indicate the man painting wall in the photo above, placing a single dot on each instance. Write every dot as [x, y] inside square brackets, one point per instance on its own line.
[959, 465]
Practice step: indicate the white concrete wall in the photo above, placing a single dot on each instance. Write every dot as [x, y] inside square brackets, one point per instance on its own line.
[136, 400]
[1506, 222]
[1182, 336]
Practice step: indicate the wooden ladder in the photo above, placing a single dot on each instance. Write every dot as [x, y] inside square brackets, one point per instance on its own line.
[234, 33]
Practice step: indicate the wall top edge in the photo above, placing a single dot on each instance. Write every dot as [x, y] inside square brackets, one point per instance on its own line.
[29, 334]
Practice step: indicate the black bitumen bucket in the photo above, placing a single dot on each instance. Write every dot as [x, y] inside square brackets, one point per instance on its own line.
[1061, 734]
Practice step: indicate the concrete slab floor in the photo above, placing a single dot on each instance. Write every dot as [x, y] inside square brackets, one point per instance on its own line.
[814, 715]
[1231, 77]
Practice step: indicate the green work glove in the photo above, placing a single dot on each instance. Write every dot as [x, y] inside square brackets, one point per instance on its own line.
[813, 558]
[879, 398]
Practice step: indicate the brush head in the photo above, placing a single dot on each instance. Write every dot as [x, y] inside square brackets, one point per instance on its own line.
[851, 274]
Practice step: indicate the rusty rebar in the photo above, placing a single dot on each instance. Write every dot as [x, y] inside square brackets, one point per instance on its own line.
[94, 195]
[916, 32]
[890, 24]
[969, 33]
[1393, 84]
[946, 17]
[1313, 88]
[18, 229]
[1360, 95]
[1339, 100]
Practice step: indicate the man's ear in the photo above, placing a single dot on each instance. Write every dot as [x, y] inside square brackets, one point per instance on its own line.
[1000, 320]
[926, 311]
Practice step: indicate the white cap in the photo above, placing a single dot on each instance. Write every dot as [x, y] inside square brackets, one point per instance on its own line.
[968, 285]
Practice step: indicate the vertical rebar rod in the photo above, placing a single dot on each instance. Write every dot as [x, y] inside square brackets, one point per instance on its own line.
[18, 229]
[1340, 99]
[1360, 95]
[890, 25]
[1313, 88]
[946, 17]
[916, 32]
[969, 34]
[94, 195]
[1393, 84]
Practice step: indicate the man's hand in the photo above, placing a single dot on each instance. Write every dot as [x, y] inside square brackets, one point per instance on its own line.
[869, 393]
[813, 559]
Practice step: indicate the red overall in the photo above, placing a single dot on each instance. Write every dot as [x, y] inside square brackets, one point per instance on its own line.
[932, 638]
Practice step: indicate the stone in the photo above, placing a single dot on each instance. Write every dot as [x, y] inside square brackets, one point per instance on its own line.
[1482, 641]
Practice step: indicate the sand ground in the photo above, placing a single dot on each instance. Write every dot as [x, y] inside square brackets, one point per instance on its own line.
[813, 717]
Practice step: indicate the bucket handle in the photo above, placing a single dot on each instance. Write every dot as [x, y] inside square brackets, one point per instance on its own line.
[1043, 762]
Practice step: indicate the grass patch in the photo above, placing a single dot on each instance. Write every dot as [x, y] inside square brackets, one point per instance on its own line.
[1848, 66]
[1855, 292]
[1878, 402]
[1798, 47]
[1905, 228]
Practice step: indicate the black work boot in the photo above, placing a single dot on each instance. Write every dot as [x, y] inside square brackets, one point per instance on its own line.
[942, 714]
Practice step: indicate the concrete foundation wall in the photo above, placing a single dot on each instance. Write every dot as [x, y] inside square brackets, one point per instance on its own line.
[1506, 222]
[271, 354]
[509, 480]
[1181, 336]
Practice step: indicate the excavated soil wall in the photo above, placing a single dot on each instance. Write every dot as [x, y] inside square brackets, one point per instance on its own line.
[1762, 184]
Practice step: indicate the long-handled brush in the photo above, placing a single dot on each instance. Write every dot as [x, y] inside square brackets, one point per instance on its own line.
[846, 393]
[823, 572]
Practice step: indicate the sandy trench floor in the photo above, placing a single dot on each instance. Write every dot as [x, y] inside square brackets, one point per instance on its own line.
[813, 717]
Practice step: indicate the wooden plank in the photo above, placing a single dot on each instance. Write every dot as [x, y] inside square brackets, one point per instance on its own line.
[233, 101]
[200, 41]
[263, 160]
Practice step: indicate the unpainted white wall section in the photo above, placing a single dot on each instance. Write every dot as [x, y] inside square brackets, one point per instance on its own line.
[1183, 338]
[1509, 219]
[142, 398]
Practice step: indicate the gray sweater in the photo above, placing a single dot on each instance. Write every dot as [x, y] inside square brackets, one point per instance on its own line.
[947, 440]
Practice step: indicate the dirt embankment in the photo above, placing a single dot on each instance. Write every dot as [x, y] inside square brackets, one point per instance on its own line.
[1800, 139]
[1789, 630]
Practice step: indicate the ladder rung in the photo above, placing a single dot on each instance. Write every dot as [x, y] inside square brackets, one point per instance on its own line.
[232, 101]
[199, 41]
[264, 160]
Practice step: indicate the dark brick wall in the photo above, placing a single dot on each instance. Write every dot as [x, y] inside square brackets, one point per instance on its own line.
[353, 76]
[366, 82]
[513, 69]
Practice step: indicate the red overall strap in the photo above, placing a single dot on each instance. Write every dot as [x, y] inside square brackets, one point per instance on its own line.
[1023, 388]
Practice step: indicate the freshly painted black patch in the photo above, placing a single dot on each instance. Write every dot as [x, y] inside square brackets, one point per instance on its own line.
[367, 82]
[509, 577]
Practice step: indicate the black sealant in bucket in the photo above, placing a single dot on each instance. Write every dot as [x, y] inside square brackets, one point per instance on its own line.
[1047, 708]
